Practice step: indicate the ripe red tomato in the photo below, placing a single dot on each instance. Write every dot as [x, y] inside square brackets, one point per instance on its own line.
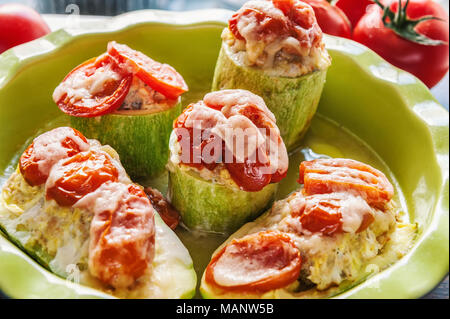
[331, 19]
[19, 24]
[428, 62]
[353, 9]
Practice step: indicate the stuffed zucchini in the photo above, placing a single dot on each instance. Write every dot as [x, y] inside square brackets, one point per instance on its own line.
[226, 158]
[275, 50]
[71, 205]
[126, 100]
[319, 241]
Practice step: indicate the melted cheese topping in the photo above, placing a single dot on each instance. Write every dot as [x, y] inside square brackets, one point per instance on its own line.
[78, 86]
[329, 260]
[241, 136]
[48, 148]
[233, 269]
[279, 54]
[128, 233]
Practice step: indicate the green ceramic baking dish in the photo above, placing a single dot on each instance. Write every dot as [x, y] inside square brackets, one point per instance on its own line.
[390, 110]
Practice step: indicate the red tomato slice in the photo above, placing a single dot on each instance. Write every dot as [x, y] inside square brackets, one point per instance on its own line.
[258, 262]
[79, 175]
[322, 213]
[332, 175]
[161, 77]
[122, 240]
[73, 98]
[323, 216]
[266, 24]
[249, 176]
[52, 146]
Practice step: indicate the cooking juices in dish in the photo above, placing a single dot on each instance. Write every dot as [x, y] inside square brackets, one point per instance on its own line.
[226, 158]
[71, 205]
[275, 50]
[127, 100]
[339, 227]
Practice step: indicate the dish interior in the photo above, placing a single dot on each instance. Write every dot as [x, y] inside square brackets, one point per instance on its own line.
[354, 120]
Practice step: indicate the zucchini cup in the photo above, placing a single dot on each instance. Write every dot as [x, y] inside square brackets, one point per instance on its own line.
[283, 61]
[226, 158]
[72, 207]
[126, 100]
[324, 238]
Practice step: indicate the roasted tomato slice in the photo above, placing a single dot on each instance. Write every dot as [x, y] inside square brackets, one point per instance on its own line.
[321, 214]
[267, 25]
[168, 214]
[47, 149]
[161, 77]
[122, 239]
[325, 213]
[251, 176]
[262, 121]
[73, 178]
[258, 262]
[95, 87]
[333, 175]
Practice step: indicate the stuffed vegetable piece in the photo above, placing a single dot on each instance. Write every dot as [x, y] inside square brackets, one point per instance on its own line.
[71, 205]
[320, 240]
[275, 50]
[226, 158]
[125, 99]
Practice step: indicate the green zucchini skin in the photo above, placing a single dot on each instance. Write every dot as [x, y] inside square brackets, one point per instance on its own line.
[206, 206]
[293, 101]
[141, 140]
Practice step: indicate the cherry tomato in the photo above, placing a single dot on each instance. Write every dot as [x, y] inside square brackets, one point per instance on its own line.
[322, 213]
[323, 176]
[19, 24]
[79, 175]
[258, 262]
[122, 239]
[80, 93]
[324, 216]
[331, 19]
[161, 77]
[354, 9]
[429, 62]
[47, 149]
[250, 176]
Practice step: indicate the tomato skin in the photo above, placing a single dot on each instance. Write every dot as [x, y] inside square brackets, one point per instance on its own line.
[325, 176]
[122, 236]
[28, 163]
[331, 19]
[19, 24]
[161, 77]
[353, 9]
[250, 176]
[268, 24]
[79, 175]
[110, 99]
[267, 248]
[428, 63]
